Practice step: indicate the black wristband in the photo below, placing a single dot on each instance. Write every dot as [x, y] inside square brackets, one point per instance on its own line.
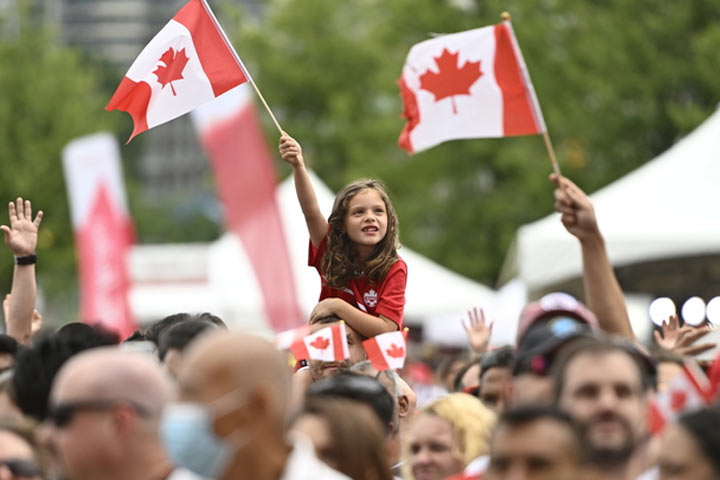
[26, 260]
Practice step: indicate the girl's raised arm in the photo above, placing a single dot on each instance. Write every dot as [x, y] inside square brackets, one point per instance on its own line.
[291, 153]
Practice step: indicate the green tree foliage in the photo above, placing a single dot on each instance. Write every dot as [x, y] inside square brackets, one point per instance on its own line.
[50, 95]
[619, 81]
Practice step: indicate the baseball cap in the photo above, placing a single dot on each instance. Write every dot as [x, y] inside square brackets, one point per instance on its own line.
[553, 306]
[542, 341]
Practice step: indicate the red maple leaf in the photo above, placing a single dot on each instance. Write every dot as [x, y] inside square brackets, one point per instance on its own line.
[173, 68]
[321, 343]
[395, 351]
[678, 400]
[450, 80]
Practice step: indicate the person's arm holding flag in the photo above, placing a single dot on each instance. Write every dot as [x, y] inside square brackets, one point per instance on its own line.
[602, 290]
[291, 152]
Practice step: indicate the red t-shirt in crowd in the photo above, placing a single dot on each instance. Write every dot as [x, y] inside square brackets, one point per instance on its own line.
[386, 298]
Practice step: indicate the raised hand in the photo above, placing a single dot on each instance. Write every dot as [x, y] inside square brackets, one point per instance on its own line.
[290, 150]
[578, 214]
[478, 330]
[21, 235]
[670, 332]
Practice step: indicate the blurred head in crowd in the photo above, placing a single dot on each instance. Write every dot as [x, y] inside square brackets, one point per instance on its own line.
[361, 388]
[446, 435]
[405, 403]
[535, 443]
[347, 435]
[467, 379]
[8, 350]
[175, 339]
[104, 414]
[37, 365]
[548, 327]
[234, 391]
[19, 458]
[155, 331]
[320, 369]
[448, 369]
[603, 385]
[691, 447]
[495, 378]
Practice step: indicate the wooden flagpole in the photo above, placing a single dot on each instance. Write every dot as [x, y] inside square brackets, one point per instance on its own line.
[506, 17]
[241, 64]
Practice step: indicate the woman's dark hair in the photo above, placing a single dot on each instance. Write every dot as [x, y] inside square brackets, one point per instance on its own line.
[340, 262]
[357, 446]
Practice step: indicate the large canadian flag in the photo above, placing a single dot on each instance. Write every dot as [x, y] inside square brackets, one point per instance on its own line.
[230, 131]
[328, 344]
[189, 62]
[688, 391]
[103, 230]
[471, 84]
[387, 350]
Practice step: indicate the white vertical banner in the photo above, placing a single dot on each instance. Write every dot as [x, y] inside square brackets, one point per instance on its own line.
[103, 229]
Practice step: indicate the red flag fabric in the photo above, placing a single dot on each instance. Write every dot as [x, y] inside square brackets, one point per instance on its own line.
[103, 230]
[328, 344]
[188, 63]
[387, 350]
[232, 136]
[688, 391]
[472, 84]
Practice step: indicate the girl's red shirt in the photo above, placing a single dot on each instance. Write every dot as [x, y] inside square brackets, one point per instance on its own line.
[386, 298]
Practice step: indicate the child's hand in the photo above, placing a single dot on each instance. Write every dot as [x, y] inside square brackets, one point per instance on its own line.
[290, 151]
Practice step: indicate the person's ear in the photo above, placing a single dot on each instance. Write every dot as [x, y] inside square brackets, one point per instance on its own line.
[403, 406]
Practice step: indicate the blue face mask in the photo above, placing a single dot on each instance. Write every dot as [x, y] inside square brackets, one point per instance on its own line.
[190, 440]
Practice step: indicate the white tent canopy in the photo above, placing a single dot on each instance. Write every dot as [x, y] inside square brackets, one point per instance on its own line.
[667, 208]
[218, 277]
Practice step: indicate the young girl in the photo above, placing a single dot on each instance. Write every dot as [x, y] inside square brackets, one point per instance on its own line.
[355, 251]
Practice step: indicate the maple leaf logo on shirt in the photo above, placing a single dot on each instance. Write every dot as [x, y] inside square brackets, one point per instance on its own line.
[321, 343]
[450, 80]
[395, 352]
[174, 66]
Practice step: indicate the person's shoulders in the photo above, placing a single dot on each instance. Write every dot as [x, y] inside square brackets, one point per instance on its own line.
[398, 266]
[304, 465]
[184, 474]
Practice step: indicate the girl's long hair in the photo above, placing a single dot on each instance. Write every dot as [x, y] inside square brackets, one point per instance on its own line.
[340, 263]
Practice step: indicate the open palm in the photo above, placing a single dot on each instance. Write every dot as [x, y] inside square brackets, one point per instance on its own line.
[21, 235]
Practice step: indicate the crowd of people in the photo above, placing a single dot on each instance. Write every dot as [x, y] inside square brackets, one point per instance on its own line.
[188, 398]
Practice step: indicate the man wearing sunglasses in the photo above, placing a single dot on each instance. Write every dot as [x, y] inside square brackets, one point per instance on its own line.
[103, 418]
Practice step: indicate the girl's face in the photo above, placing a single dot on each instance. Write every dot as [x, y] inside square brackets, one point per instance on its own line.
[366, 220]
[431, 449]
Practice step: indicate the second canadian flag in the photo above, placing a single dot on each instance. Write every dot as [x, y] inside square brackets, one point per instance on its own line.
[471, 84]
[387, 351]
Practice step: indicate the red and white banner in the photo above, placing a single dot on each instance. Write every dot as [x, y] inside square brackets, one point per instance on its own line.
[387, 350]
[285, 340]
[103, 230]
[471, 84]
[230, 131]
[189, 62]
[328, 345]
[688, 391]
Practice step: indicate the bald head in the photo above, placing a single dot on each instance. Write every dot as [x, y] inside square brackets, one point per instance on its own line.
[112, 374]
[224, 362]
